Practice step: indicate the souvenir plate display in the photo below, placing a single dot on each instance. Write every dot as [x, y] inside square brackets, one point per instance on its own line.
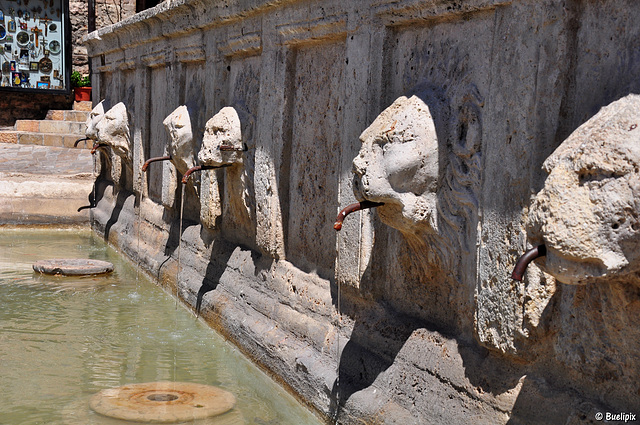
[32, 44]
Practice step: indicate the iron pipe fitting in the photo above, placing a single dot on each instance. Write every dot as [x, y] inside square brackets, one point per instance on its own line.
[97, 146]
[527, 257]
[357, 206]
[186, 175]
[75, 145]
[150, 160]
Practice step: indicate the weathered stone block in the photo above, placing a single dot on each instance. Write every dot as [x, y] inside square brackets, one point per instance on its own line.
[55, 115]
[587, 215]
[30, 138]
[52, 140]
[8, 137]
[28, 125]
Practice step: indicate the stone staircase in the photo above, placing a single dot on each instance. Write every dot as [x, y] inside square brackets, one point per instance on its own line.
[60, 128]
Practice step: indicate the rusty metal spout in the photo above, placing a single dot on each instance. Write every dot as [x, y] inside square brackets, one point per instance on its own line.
[527, 257]
[150, 160]
[97, 146]
[75, 145]
[186, 175]
[357, 206]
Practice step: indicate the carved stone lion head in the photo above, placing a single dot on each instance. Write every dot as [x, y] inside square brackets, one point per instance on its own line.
[587, 214]
[398, 166]
[113, 130]
[222, 132]
[95, 116]
[182, 146]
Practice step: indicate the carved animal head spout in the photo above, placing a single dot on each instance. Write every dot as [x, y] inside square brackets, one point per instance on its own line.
[95, 116]
[222, 143]
[182, 146]
[113, 130]
[588, 213]
[398, 166]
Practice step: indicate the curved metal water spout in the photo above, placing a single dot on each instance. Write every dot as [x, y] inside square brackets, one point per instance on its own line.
[357, 206]
[191, 170]
[150, 160]
[527, 257]
[97, 146]
[75, 145]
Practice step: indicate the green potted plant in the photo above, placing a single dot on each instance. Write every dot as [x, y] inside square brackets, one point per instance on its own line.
[81, 86]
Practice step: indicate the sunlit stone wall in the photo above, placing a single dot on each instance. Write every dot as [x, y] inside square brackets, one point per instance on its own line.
[398, 318]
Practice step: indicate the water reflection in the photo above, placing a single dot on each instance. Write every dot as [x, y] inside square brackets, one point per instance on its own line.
[63, 339]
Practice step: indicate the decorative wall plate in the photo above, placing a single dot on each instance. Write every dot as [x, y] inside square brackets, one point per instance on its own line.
[45, 65]
[22, 38]
[54, 47]
[3, 32]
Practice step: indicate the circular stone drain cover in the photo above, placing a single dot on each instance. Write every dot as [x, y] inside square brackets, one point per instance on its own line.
[162, 402]
[73, 267]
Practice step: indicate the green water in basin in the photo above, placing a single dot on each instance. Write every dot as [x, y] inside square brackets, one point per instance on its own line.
[63, 339]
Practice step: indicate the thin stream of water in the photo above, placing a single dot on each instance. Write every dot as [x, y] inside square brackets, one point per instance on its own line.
[179, 259]
[338, 322]
[179, 241]
[138, 224]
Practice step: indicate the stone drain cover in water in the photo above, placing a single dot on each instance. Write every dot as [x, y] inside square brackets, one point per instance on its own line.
[73, 266]
[162, 402]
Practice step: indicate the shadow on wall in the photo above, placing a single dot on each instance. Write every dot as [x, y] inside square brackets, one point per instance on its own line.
[383, 342]
[218, 263]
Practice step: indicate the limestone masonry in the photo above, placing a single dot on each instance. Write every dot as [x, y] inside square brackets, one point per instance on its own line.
[484, 128]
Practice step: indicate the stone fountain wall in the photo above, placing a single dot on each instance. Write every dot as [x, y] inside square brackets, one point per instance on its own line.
[380, 322]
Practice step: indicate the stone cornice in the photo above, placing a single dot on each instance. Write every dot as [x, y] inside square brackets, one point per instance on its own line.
[178, 18]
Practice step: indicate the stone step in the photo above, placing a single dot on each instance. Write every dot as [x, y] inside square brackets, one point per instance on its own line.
[59, 128]
[85, 106]
[65, 115]
[51, 126]
[43, 139]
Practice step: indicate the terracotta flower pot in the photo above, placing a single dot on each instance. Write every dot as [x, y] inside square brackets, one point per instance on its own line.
[82, 93]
